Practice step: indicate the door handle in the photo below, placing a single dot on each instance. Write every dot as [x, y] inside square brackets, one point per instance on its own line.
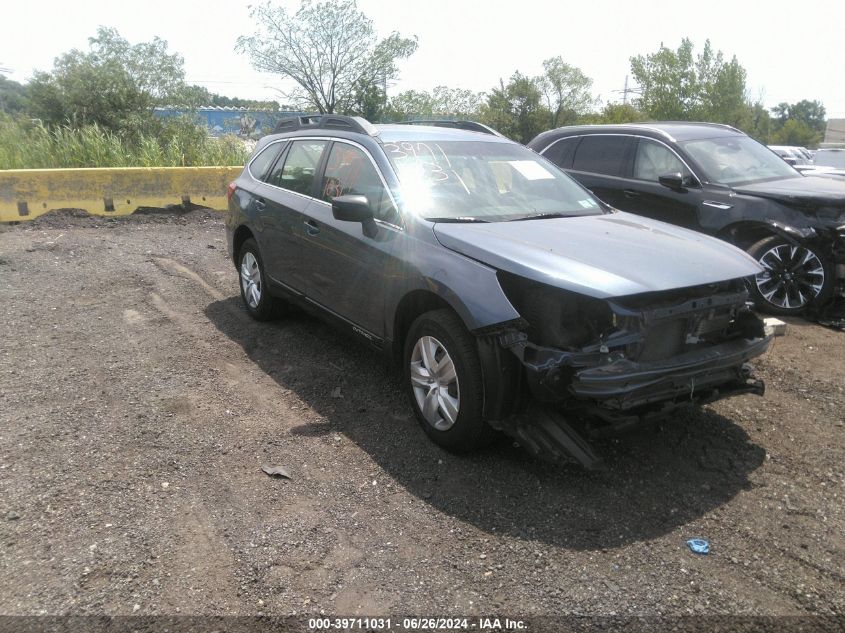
[260, 204]
[630, 193]
[311, 227]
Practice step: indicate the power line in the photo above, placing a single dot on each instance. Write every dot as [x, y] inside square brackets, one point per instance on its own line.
[626, 91]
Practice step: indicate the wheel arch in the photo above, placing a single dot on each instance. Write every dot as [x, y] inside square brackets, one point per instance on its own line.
[410, 306]
[746, 233]
[501, 371]
[241, 235]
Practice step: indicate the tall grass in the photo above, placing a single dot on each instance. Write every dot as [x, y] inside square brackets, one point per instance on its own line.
[26, 145]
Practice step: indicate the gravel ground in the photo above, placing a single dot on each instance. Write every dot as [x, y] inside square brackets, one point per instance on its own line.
[138, 403]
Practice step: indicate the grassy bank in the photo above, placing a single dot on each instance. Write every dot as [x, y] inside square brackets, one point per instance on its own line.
[27, 145]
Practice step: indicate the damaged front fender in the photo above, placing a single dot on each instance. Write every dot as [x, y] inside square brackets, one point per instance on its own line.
[793, 234]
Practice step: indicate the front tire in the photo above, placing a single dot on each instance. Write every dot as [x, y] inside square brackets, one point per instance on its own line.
[255, 293]
[444, 382]
[793, 277]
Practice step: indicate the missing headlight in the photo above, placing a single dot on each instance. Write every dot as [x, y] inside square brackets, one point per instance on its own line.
[557, 318]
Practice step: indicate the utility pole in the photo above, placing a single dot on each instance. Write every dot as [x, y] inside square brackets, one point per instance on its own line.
[626, 91]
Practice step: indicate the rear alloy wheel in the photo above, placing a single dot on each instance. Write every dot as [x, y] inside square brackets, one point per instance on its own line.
[255, 294]
[793, 276]
[444, 382]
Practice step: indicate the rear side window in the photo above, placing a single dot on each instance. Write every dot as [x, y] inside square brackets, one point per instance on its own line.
[562, 152]
[297, 171]
[603, 154]
[350, 171]
[260, 165]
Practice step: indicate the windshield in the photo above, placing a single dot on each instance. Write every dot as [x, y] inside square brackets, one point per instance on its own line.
[734, 160]
[466, 181]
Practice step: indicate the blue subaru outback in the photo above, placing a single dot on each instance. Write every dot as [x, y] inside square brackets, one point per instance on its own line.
[512, 298]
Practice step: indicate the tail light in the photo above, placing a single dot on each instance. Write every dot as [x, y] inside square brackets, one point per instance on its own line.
[230, 190]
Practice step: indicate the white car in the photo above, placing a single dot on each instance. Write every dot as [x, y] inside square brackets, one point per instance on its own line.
[792, 155]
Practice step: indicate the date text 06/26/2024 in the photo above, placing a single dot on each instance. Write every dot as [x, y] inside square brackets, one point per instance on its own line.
[481, 624]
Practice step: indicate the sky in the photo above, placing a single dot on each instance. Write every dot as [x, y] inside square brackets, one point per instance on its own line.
[790, 50]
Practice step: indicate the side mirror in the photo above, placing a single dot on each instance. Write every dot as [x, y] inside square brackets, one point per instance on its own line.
[672, 181]
[351, 208]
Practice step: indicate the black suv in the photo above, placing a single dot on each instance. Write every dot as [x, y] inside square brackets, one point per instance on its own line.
[507, 293]
[715, 179]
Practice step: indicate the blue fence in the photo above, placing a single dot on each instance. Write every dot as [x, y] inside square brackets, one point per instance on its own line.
[227, 120]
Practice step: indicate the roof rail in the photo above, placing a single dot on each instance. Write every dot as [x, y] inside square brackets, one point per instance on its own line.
[326, 122]
[707, 123]
[471, 126]
[712, 124]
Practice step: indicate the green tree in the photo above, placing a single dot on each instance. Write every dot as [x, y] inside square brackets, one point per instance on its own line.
[369, 101]
[722, 86]
[676, 85]
[615, 113]
[193, 97]
[410, 104]
[456, 102]
[516, 109]
[795, 132]
[667, 82]
[114, 84]
[443, 101]
[566, 90]
[757, 123]
[328, 49]
[810, 113]
[13, 96]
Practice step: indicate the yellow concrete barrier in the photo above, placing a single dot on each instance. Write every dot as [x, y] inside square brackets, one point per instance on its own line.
[27, 193]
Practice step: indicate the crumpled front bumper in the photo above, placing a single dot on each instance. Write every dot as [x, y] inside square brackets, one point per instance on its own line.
[614, 383]
[624, 384]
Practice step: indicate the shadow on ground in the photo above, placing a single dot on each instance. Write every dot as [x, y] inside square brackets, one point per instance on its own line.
[655, 482]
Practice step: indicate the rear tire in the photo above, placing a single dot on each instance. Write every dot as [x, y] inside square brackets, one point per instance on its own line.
[794, 276]
[255, 293]
[444, 382]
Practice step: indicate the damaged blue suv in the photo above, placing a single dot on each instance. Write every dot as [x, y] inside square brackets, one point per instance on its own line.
[512, 298]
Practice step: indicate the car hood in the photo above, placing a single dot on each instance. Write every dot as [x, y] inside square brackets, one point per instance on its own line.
[806, 191]
[601, 256]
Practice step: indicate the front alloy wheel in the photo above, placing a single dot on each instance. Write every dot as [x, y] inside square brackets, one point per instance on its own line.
[435, 383]
[444, 381]
[793, 276]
